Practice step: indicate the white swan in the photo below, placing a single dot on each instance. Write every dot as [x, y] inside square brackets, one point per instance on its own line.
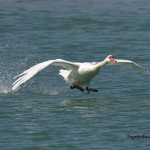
[76, 74]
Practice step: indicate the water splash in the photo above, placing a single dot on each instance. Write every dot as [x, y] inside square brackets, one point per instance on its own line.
[5, 84]
[48, 93]
[44, 90]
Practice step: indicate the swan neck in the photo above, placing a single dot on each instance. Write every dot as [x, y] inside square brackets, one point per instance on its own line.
[101, 64]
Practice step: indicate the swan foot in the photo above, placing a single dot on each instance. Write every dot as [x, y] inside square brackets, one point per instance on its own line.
[91, 90]
[77, 87]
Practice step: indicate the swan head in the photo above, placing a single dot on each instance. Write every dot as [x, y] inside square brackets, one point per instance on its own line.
[109, 58]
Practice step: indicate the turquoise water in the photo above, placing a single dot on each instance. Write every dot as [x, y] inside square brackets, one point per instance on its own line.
[45, 114]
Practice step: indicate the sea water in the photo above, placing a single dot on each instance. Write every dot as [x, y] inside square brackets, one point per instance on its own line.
[45, 114]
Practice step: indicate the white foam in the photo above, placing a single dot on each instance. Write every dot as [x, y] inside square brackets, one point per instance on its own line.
[5, 88]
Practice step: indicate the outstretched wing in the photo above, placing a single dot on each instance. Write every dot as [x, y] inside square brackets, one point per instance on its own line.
[130, 64]
[27, 74]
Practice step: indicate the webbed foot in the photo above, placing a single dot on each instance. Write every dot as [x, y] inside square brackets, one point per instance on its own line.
[77, 87]
[91, 90]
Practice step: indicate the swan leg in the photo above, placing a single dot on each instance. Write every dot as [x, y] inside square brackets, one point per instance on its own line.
[91, 90]
[77, 87]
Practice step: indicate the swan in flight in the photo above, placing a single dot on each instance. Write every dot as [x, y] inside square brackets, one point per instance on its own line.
[76, 74]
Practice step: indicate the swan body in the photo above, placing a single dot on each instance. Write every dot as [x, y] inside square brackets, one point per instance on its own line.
[76, 74]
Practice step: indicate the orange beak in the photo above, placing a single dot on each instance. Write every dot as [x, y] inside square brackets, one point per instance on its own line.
[112, 59]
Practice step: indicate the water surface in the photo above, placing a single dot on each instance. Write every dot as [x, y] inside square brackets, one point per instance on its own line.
[45, 113]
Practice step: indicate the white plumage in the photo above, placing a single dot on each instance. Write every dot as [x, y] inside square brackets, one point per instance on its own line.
[76, 74]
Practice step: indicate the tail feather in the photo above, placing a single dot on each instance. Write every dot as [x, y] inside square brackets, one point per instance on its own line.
[64, 73]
